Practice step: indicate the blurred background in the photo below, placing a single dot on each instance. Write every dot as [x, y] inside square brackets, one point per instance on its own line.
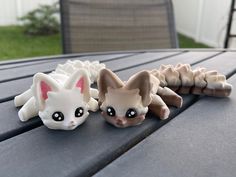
[199, 23]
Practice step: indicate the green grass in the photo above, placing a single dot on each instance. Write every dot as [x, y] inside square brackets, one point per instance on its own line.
[15, 44]
[186, 42]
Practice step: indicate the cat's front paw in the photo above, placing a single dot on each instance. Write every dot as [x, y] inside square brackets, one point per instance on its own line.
[93, 105]
[164, 112]
[178, 101]
[18, 101]
[22, 115]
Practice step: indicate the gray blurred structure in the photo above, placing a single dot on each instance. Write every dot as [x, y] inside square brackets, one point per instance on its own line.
[113, 25]
[229, 24]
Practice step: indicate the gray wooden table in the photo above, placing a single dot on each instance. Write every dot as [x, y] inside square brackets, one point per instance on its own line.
[197, 140]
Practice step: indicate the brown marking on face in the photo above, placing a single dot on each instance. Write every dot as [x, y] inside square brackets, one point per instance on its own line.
[142, 82]
[122, 122]
[107, 79]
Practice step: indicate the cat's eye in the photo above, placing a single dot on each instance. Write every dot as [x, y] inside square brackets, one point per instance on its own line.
[79, 112]
[111, 111]
[58, 116]
[131, 113]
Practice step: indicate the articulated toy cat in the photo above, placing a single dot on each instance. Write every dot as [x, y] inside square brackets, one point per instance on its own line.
[62, 98]
[125, 104]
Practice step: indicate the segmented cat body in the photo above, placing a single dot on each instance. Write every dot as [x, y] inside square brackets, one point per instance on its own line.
[182, 79]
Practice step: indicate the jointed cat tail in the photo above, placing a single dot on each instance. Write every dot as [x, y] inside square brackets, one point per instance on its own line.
[182, 79]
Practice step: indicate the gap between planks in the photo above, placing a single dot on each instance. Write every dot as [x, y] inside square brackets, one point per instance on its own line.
[63, 56]
[30, 75]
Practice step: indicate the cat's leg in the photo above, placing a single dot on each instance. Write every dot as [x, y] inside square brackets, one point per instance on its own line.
[29, 110]
[21, 99]
[93, 104]
[94, 93]
[170, 97]
[159, 107]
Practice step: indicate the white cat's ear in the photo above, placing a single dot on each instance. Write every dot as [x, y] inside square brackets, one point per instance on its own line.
[80, 81]
[42, 84]
[107, 79]
[142, 82]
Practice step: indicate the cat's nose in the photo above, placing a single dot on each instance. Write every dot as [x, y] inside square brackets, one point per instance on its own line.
[120, 121]
[72, 122]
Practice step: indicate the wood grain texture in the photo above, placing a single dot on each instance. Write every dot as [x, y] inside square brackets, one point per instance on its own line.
[72, 153]
[141, 59]
[199, 142]
[224, 63]
[188, 57]
[38, 66]
[33, 59]
[87, 149]
[29, 61]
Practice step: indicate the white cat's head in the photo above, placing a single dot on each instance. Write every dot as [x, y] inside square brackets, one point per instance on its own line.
[62, 107]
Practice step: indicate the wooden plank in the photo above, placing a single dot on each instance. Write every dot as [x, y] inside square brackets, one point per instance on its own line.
[14, 87]
[33, 59]
[188, 57]
[224, 63]
[200, 141]
[26, 60]
[44, 60]
[10, 123]
[63, 56]
[84, 150]
[29, 70]
[17, 65]
[140, 59]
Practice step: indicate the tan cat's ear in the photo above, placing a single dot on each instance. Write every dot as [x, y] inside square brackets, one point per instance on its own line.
[142, 82]
[80, 80]
[42, 85]
[107, 79]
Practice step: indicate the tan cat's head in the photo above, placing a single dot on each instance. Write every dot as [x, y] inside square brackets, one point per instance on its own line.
[124, 104]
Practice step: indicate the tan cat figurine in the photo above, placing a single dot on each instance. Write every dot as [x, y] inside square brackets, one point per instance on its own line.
[125, 104]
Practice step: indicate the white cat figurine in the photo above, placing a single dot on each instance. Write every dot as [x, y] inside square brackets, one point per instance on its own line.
[62, 98]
